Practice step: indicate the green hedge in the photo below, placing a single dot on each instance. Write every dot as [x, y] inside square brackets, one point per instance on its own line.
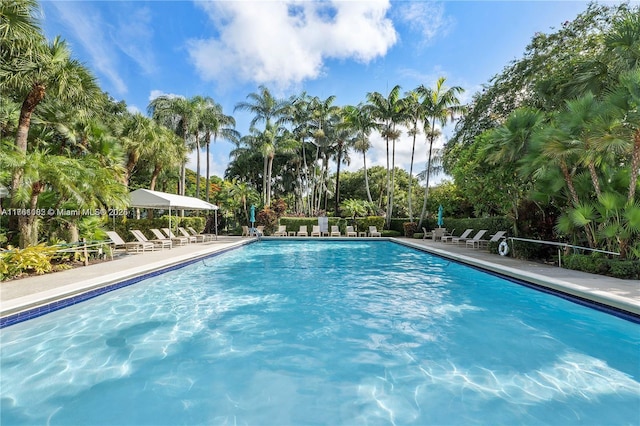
[390, 233]
[597, 264]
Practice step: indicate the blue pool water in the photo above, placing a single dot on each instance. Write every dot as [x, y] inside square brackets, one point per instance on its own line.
[290, 332]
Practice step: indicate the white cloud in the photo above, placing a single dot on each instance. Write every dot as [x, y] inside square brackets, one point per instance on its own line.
[89, 29]
[129, 32]
[157, 93]
[134, 109]
[426, 18]
[134, 35]
[286, 42]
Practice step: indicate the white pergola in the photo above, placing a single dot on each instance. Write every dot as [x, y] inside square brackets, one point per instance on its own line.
[144, 198]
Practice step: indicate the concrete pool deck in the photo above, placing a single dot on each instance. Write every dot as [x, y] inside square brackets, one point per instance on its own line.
[29, 293]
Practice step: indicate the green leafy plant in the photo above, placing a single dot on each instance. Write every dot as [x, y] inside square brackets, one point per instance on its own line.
[409, 228]
[32, 259]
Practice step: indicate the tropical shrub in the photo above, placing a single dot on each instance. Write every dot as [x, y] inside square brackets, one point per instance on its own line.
[32, 259]
[267, 218]
[625, 269]
[598, 264]
[409, 228]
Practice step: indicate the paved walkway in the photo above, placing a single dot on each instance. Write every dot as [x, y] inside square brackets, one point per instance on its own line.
[28, 293]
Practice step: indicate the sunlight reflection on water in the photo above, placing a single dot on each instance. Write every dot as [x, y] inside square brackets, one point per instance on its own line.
[333, 332]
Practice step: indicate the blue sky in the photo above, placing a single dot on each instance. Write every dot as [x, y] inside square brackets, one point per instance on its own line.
[226, 49]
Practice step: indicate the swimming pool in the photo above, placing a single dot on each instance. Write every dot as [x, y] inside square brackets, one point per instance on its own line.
[324, 332]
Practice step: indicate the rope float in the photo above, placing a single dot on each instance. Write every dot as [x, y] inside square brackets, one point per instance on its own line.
[503, 248]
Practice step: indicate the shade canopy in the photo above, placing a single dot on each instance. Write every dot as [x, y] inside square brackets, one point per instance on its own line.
[144, 198]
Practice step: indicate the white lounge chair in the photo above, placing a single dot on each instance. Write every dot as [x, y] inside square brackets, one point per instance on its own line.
[159, 235]
[245, 231]
[315, 232]
[162, 243]
[136, 246]
[464, 236]
[476, 237]
[192, 238]
[207, 237]
[485, 243]
[335, 231]
[351, 232]
[426, 234]
[281, 232]
[173, 237]
[373, 232]
[303, 231]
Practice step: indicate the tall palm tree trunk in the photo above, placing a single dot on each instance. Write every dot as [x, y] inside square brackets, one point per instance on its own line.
[635, 166]
[269, 179]
[393, 183]
[208, 143]
[197, 166]
[366, 176]
[576, 201]
[265, 171]
[154, 177]
[413, 150]
[426, 189]
[594, 178]
[305, 182]
[388, 177]
[35, 96]
[336, 209]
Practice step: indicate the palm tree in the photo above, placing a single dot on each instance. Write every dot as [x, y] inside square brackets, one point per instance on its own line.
[621, 65]
[176, 113]
[215, 123]
[507, 146]
[18, 28]
[245, 161]
[138, 140]
[166, 150]
[266, 108]
[390, 112]
[414, 115]
[439, 105]
[322, 112]
[32, 68]
[343, 137]
[627, 99]
[361, 119]
[299, 116]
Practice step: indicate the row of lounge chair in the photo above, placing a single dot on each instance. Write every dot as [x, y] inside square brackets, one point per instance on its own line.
[163, 239]
[316, 232]
[473, 242]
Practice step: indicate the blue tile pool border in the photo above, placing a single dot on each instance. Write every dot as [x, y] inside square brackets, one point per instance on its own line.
[611, 310]
[73, 300]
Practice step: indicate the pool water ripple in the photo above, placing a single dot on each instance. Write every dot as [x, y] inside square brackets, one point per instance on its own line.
[322, 332]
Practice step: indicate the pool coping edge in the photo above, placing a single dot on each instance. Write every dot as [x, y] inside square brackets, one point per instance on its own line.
[61, 295]
[599, 297]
